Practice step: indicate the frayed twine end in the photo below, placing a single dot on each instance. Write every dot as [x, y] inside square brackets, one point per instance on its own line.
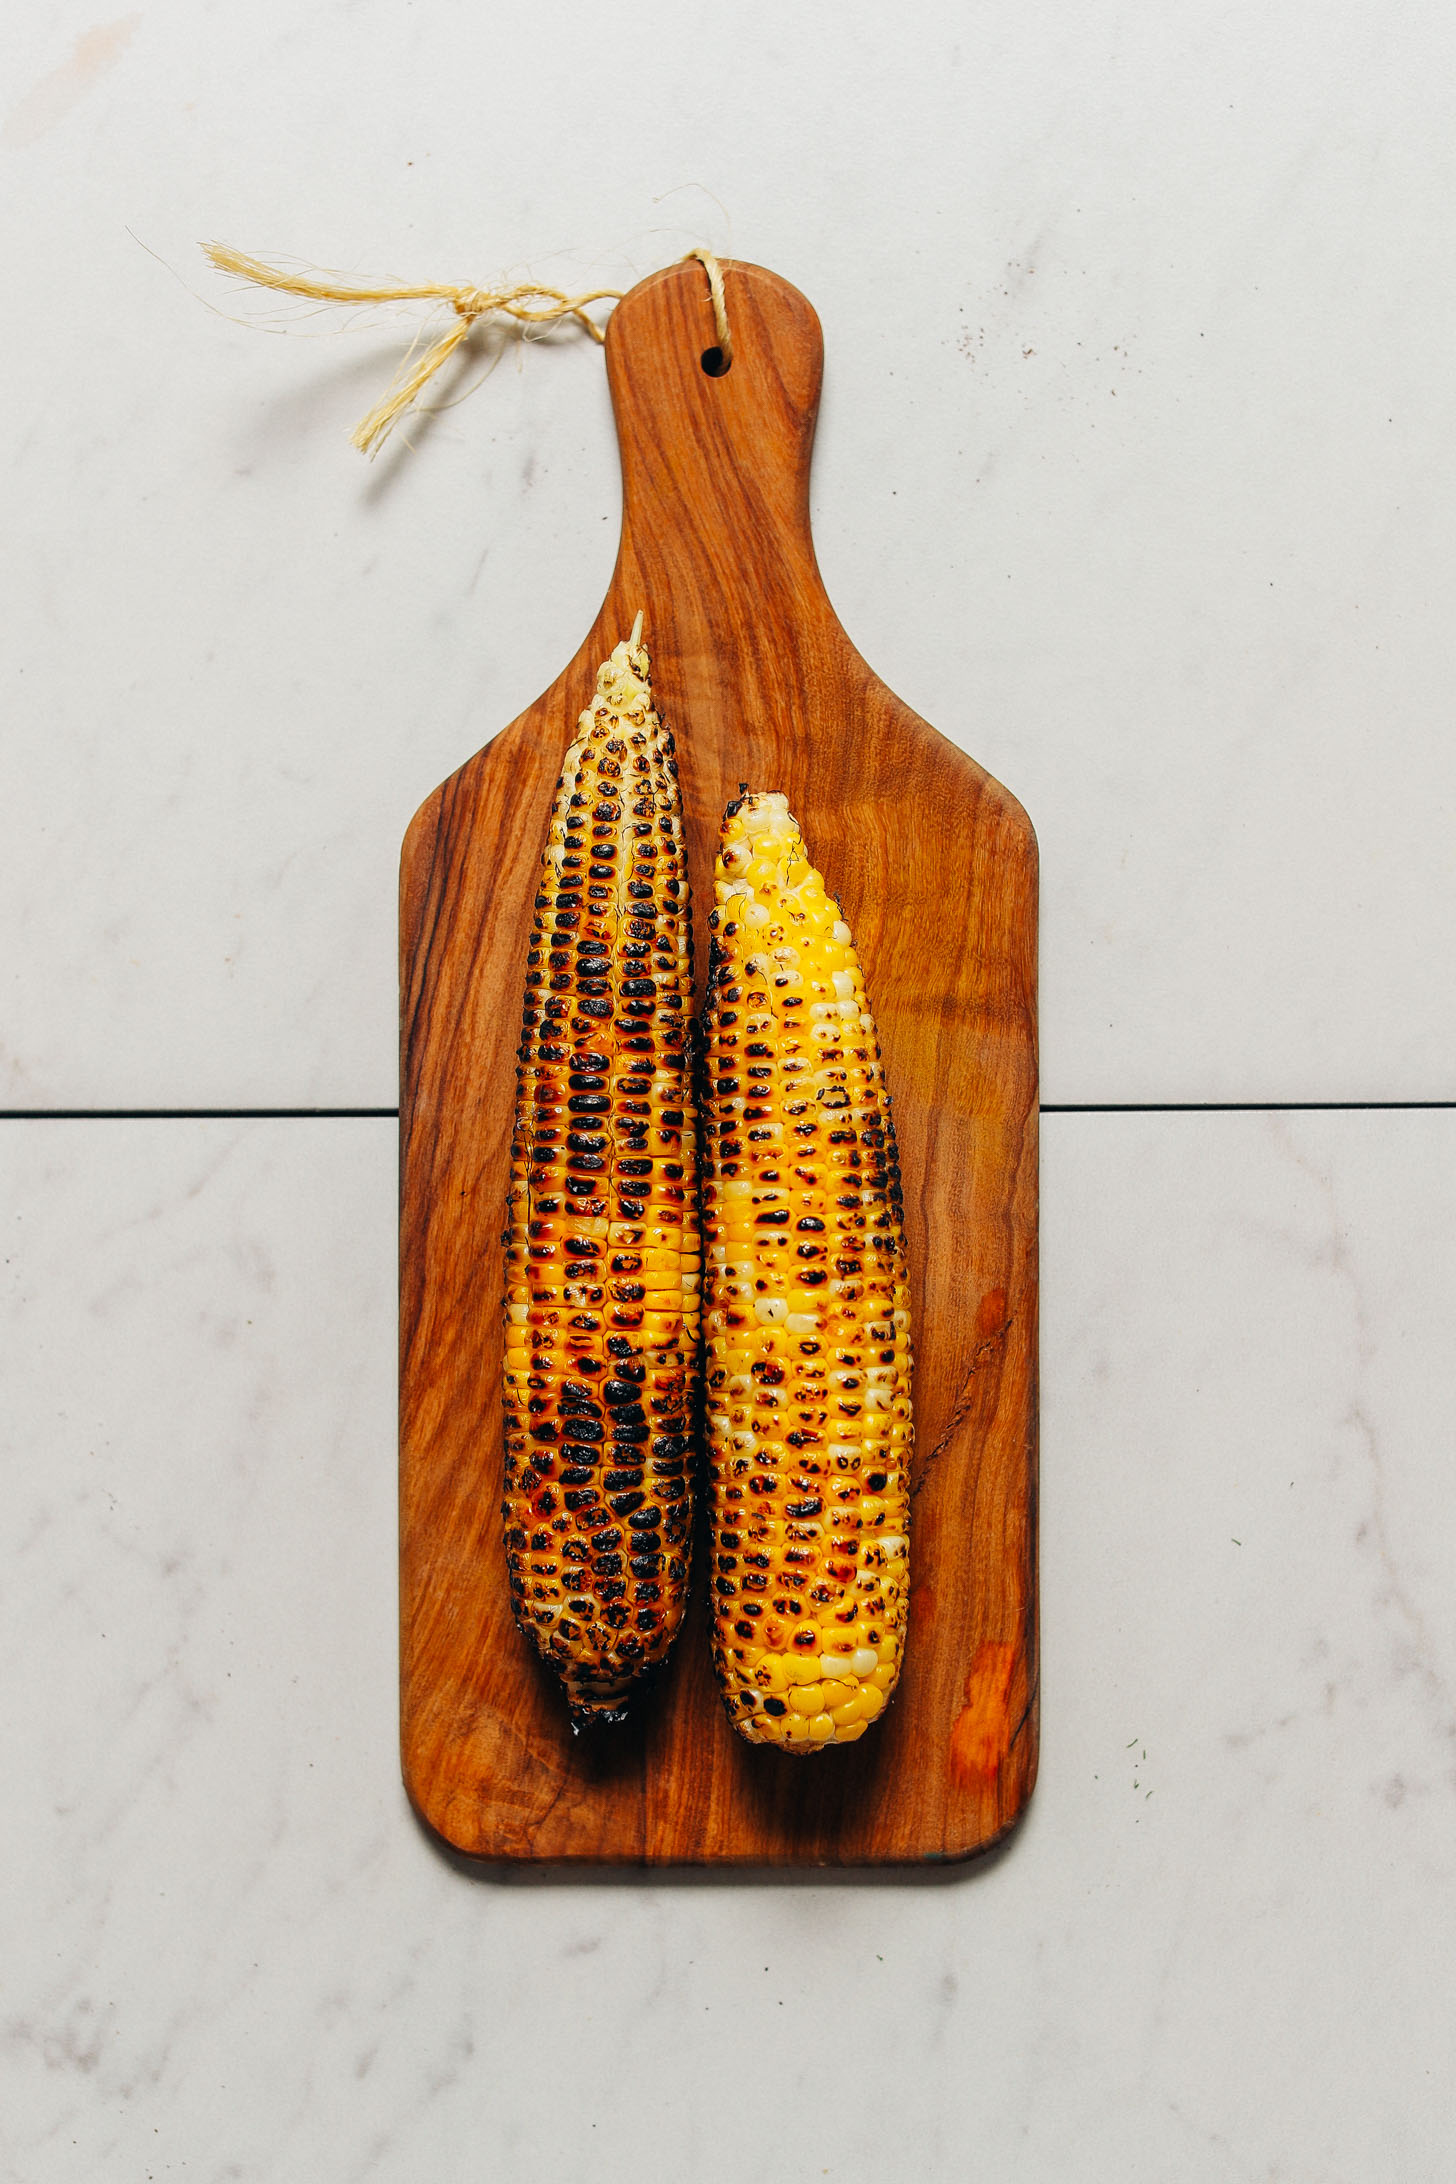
[529, 303]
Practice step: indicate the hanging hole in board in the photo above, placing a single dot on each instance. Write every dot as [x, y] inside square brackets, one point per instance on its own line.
[714, 362]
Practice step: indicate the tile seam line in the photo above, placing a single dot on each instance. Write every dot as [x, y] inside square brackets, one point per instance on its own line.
[1050, 1107]
[1243, 1107]
[196, 1114]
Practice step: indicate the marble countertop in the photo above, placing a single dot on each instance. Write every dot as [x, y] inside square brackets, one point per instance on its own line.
[1135, 476]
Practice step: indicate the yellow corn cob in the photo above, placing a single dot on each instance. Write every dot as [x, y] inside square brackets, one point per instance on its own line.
[808, 1322]
[602, 1254]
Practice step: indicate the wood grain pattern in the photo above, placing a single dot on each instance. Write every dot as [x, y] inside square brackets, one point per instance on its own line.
[936, 867]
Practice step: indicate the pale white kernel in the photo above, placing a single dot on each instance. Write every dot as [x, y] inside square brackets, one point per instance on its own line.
[770, 1310]
[765, 813]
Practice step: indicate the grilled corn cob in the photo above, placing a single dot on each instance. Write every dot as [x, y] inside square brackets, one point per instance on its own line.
[602, 1254]
[808, 1322]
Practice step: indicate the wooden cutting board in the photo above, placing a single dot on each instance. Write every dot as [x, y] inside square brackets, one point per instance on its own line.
[935, 865]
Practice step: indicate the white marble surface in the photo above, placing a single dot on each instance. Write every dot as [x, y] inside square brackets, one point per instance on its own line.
[1221, 1949]
[1135, 475]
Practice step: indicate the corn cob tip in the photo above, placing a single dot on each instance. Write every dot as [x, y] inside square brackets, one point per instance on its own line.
[591, 1717]
[624, 687]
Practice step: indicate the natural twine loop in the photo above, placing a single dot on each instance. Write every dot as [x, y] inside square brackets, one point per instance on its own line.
[714, 272]
[529, 303]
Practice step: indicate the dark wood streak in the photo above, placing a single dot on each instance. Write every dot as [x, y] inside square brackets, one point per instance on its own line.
[926, 1464]
[936, 867]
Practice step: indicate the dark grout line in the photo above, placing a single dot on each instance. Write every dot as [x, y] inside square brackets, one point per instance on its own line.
[191, 1114]
[1242, 1107]
[391, 1114]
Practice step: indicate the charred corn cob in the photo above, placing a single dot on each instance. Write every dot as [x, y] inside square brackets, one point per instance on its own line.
[602, 1254]
[808, 1322]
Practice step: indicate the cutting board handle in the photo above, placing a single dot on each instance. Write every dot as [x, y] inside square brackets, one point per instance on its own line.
[715, 468]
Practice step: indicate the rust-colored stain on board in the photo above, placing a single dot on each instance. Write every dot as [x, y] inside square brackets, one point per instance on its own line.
[981, 1736]
[991, 1315]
